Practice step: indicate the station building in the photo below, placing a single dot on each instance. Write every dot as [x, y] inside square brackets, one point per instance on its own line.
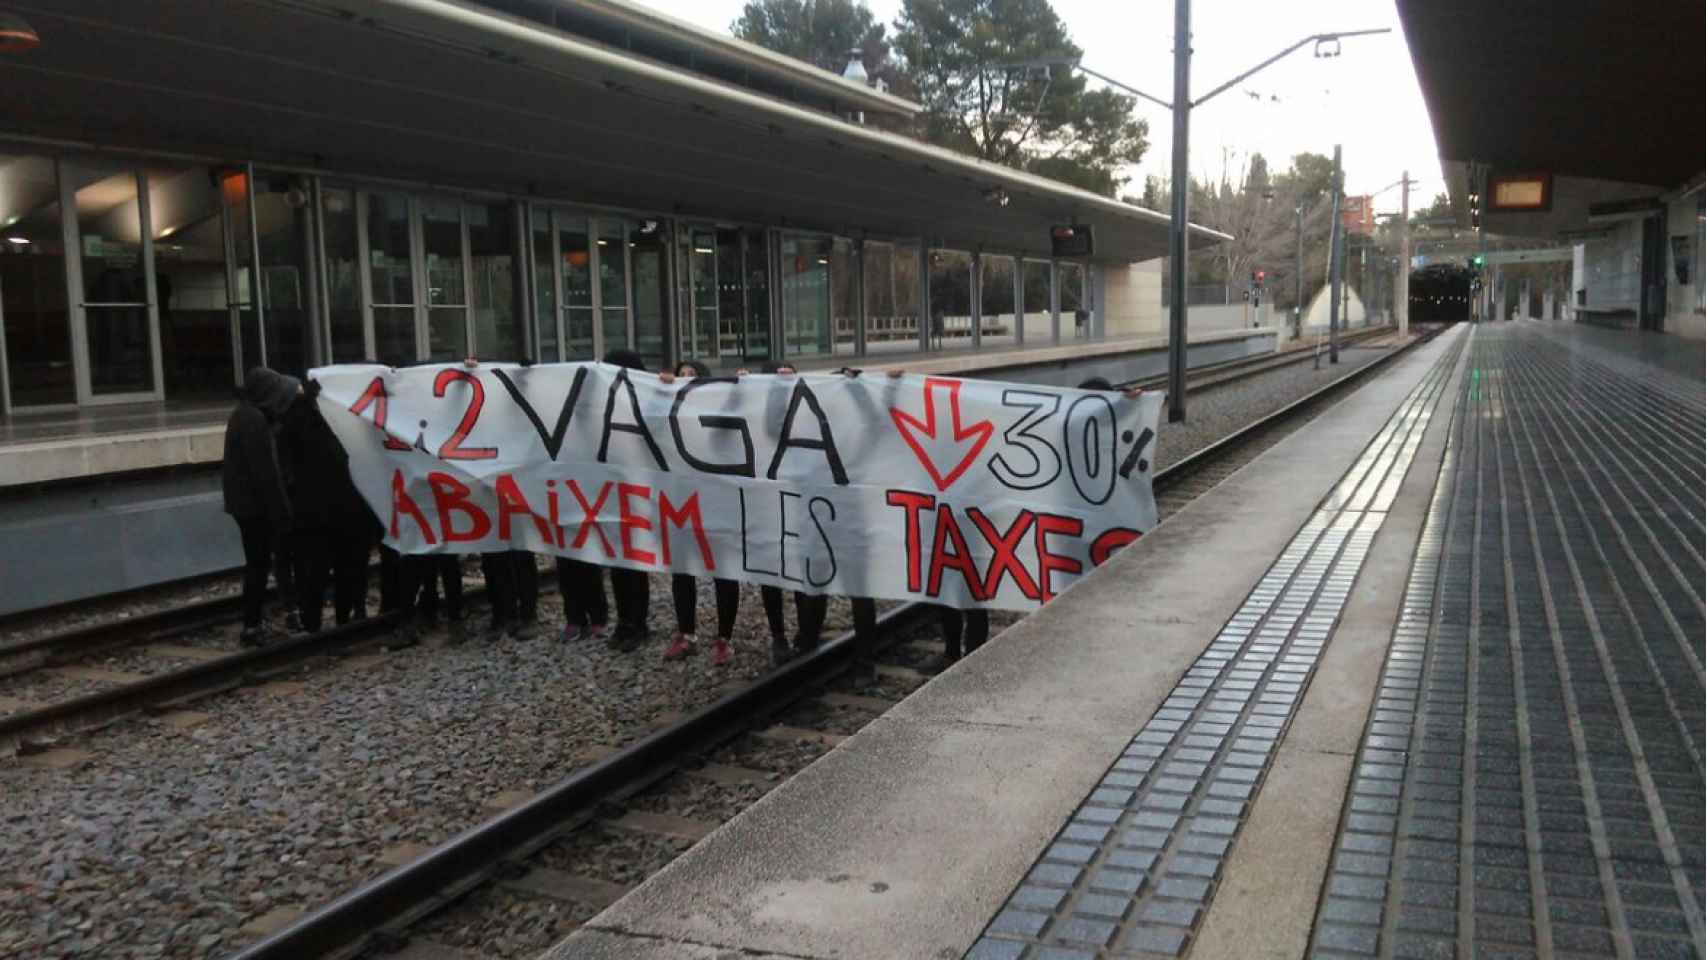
[188, 190]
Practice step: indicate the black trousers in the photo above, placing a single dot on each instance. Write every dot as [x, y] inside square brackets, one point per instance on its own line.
[971, 626]
[512, 585]
[864, 628]
[432, 570]
[686, 591]
[633, 590]
[582, 587]
[809, 610]
[340, 556]
[397, 586]
[258, 536]
[284, 568]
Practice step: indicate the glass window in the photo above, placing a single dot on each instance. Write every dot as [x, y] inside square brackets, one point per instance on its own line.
[545, 286]
[447, 293]
[33, 306]
[343, 281]
[493, 265]
[613, 281]
[649, 254]
[577, 286]
[1039, 320]
[240, 283]
[1074, 318]
[392, 272]
[891, 284]
[755, 265]
[115, 287]
[996, 307]
[190, 286]
[844, 280]
[805, 295]
[950, 299]
[286, 238]
[732, 295]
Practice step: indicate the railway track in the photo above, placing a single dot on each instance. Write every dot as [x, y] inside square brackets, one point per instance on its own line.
[1209, 376]
[548, 846]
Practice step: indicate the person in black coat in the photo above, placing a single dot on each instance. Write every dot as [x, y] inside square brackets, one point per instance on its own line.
[254, 484]
[332, 530]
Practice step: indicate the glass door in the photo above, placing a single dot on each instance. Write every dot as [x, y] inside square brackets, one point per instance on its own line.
[391, 272]
[446, 275]
[700, 333]
[112, 278]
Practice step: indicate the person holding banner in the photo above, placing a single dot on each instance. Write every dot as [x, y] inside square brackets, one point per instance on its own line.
[686, 588]
[633, 588]
[586, 610]
[253, 485]
[332, 534]
[809, 611]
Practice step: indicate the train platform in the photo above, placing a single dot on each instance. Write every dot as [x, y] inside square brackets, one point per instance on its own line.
[1423, 680]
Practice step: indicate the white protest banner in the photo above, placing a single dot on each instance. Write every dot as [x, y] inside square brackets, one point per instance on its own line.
[974, 493]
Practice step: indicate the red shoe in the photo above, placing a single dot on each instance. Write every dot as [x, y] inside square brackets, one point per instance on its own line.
[720, 653]
[682, 646]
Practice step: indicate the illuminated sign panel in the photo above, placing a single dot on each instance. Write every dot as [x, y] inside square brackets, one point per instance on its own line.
[1520, 192]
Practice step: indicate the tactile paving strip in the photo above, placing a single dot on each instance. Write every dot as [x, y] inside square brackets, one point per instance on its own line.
[1134, 870]
[1537, 787]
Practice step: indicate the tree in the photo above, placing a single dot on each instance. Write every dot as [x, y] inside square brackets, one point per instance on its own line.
[1153, 194]
[1312, 174]
[1434, 214]
[824, 33]
[961, 55]
[1263, 223]
[820, 32]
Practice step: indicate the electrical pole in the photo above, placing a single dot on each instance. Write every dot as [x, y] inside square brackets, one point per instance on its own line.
[1297, 325]
[1336, 259]
[1180, 228]
[1402, 306]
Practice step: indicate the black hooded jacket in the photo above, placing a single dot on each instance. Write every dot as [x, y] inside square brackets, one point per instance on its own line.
[254, 484]
[322, 495]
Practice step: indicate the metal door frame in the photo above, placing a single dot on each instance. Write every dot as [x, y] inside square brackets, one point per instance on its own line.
[78, 307]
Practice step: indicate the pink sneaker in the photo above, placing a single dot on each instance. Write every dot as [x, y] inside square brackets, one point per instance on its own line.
[681, 647]
[598, 631]
[720, 653]
[573, 632]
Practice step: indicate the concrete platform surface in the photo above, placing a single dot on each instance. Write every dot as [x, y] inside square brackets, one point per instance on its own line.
[905, 840]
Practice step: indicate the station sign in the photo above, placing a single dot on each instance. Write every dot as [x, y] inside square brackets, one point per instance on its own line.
[1072, 240]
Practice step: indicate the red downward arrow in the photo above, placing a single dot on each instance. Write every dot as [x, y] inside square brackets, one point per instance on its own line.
[911, 428]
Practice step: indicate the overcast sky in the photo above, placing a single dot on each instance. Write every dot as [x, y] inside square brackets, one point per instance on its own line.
[1366, 99]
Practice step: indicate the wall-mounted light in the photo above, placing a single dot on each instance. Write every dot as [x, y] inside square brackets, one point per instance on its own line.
[16, 35]
[19, 241]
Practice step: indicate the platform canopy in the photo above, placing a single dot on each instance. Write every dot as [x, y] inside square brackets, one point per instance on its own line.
[465, 95]
[1582, 88]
